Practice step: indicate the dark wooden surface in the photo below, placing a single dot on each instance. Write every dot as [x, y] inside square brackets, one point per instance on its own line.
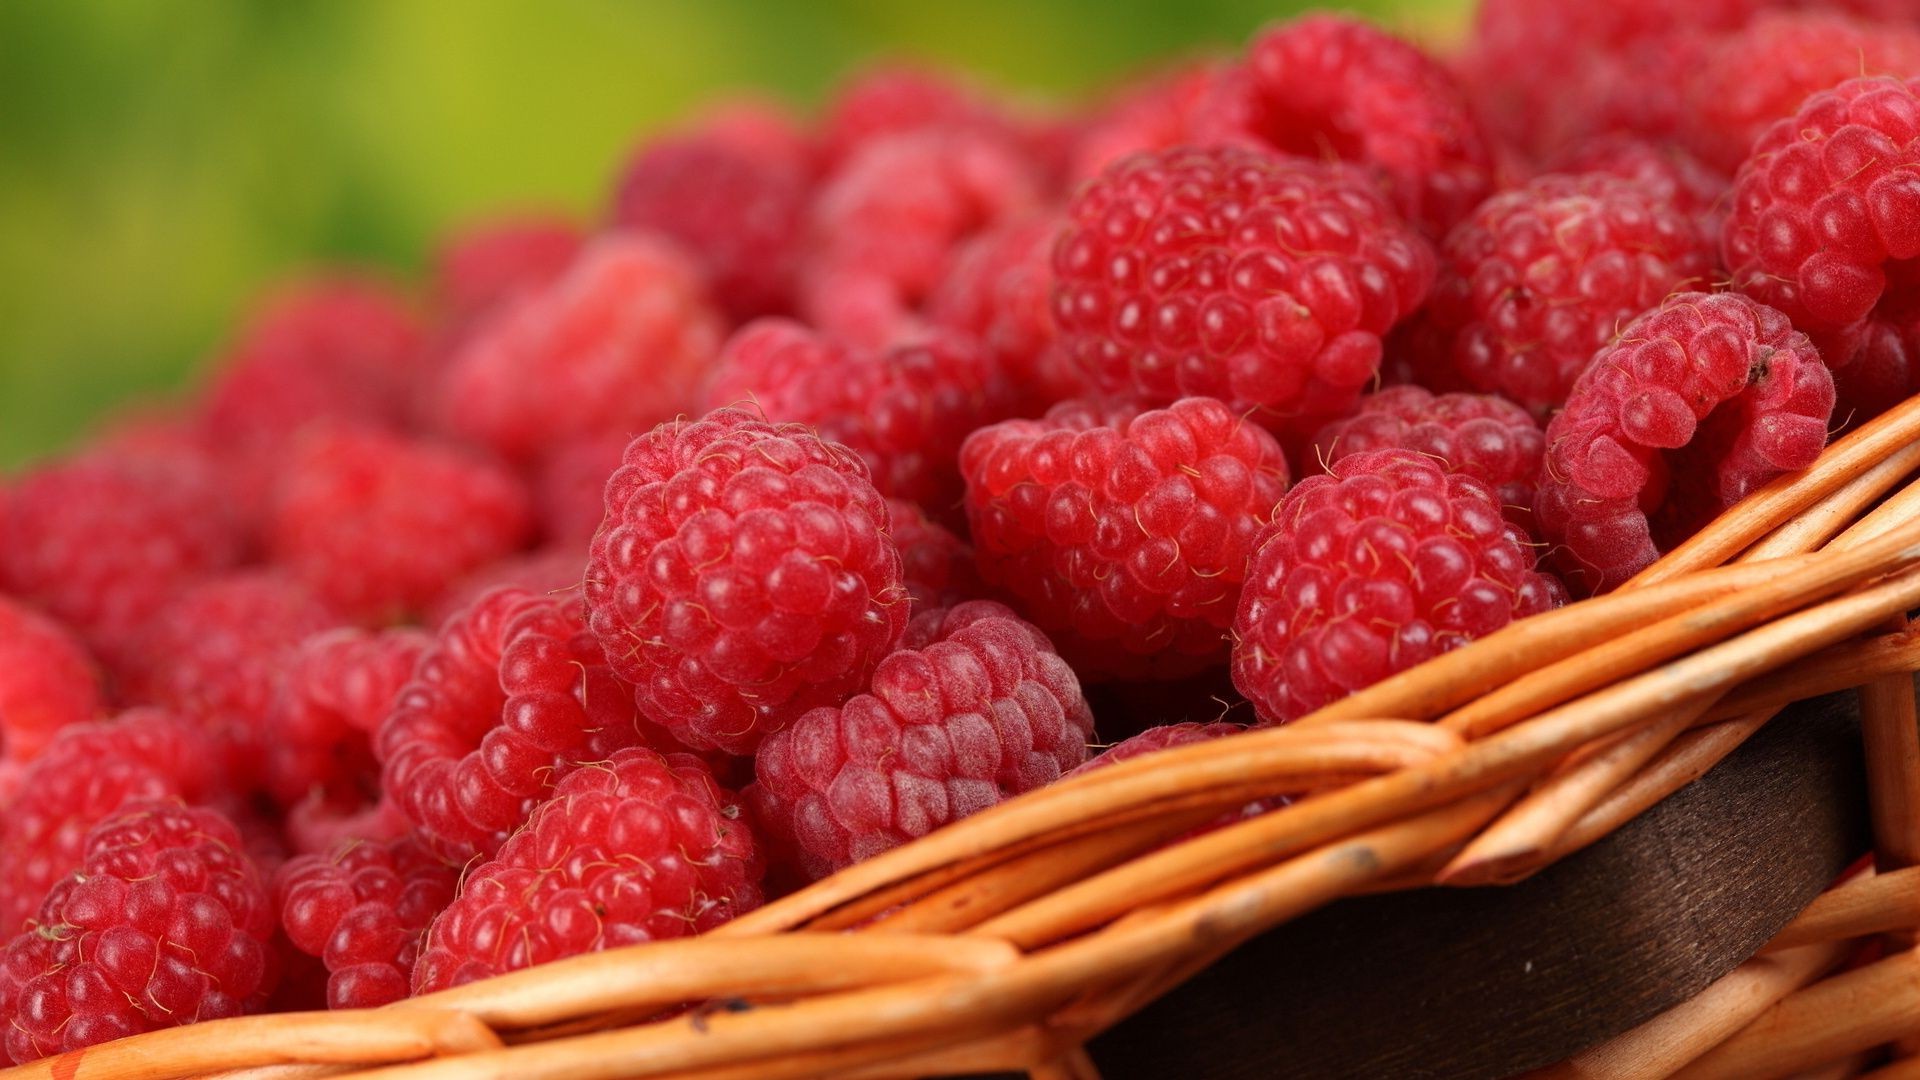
[1488, 982]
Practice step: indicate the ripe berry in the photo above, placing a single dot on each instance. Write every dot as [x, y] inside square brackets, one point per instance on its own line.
[998, 290]
[891, 100]
[1163, 737]
[616, 343]
[380, 524]
[1159, 114]
[1700, 401]
[548, 571]
[364, 909]
[1541, 276]
[482, 267]
[1488, 438]
[570, 486]
[165, 922]
[1664, 170]
[333, 691]
[1261, 280]
[1123, 534]
[936, 566]
[1385, 562]
[47, 681]
[904, 410]
[638, 848]
[975, 709]
[742, 577]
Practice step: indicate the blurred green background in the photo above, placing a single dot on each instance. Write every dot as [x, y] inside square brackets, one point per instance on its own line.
[161, 162]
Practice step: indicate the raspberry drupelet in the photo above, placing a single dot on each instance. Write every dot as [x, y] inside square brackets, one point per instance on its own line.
[1123, 533]
[47, 682]
[743, 576]
[165, 922]
[1483, 436]
[1235, 273]
[1386, 561]
[363, 909]
[641, 847]
[1699, 402]
[1541, 276]
[974, 709]
[904, 410]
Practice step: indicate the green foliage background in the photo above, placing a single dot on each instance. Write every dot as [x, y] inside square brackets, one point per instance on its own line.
[161, 161]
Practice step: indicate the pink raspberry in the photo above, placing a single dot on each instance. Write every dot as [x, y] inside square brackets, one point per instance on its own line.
[1541, 276]
[1261, 280]
[1488, 438]
[101, 542]
[550, 571]
[165, 922]
[570, 485]
[1161, 113]
[937, 566]
[47, 682]
[618, 342]
[333, 691]
[1824, 226]
[998, 290]
[481, 268]
[1700, 401]
[1329, 85]
[1386, 561]
[891, 100]
[83, 775]
[904, 409]
[974, 709]
[742, 577]
[379, 524]
[638, 848]
[884, 225]
[363, 909]
[1124, 534]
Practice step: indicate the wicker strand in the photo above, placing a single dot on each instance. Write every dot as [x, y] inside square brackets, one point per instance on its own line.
[1868, 904]
[1829, 1020]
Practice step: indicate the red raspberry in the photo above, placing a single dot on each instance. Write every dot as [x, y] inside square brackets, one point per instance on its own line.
[483, 267]
[885, 225]
[84, 774]
[364, 909]
[316, 824]
[974, 709]
[214, 654]
[937, 566]
[1700, 401]
[512, 694]
[101, 542]
[570, 487]
[742, 577]
[1665, 170]
[548, 571]
[890, 100]
[1385, 562]
[166, 922]
[334, 690]
[47, 681]
[1488, 438]
[638, 848]
[998, 290]
[737, 206]
[379, 524]
[1233, 273]
[1329, 85]
[617, 343]
[1163, 737]
[1160, 114]
[1762, 71]
[1541, 276]
[904, 410]
[1826, 210]
[1124, 534]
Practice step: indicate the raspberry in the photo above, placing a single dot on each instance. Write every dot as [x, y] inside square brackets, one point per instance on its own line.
[1163, 737]
[904, 410]
[316, 824]
[638, 848]
[213, 655]
[1700, 401]
[885, 224]
[1331, 86]
[166, 922]
[47, 681]
[379, 524]
[101, 542]
[1664, 170]
[1383, 563]
[334, 690]
[82, 776]
[1762, 71]
[513, 692]
[736, 205]
[1160, 114]
[617, 343]
[548, 571]
[486, 265]
[742, 577]
[937, 565]
[1122, 533]
[998, 290]
[1541, 276]
[570, 486]
[1488, 438]
[1826, 212]
[975, 709]
[892, 100]
[363, 909]
[1233, 273]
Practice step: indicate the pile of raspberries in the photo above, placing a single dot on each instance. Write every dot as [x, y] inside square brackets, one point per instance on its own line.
[841, 478]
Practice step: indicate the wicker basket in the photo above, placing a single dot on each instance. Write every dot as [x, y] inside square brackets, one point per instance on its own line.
[1007, 940]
